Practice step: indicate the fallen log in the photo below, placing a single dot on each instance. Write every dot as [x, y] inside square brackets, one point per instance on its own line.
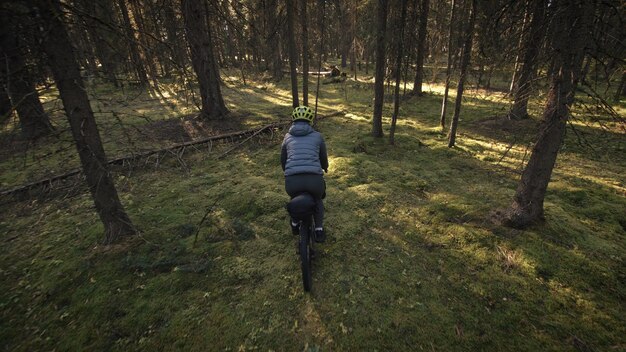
[121, 160]
[316, 73]
[312, 73]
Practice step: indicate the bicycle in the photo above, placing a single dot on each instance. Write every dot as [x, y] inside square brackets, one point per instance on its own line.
[301, 208]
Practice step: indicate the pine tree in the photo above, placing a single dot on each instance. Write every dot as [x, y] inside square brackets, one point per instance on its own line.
[66, 73]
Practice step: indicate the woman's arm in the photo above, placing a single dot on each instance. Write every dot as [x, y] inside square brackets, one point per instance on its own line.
[323, 156]
[283, 155]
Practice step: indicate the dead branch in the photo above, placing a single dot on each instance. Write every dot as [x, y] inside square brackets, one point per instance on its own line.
[209, 210]
[249, 138]
[507, 150]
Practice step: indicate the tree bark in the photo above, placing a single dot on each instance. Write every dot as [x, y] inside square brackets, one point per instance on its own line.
[444, 104]
[570, 26]
[273, 39]
[293, 56]
[621, 89]
[520, 45]
[173, 36]
[305, 53]
[465, 61]
[140, 11]
[531, 51]
[421, 41]
[353, 43]
[131, 42]
[5, 102]
[85, 50]
[346, 32]
[34, 122]
[379, 83]
[202, 59]
[228, 31]
[102, 48]
[322, 27]
[66, 73]
[396, 95]
[256, 35]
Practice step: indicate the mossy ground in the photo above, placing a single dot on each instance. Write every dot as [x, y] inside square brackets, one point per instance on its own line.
[412, 261]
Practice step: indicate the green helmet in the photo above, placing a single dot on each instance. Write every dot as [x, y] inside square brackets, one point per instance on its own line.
[302, 113]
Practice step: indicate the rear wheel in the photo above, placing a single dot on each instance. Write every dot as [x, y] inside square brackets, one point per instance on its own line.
[305, 256]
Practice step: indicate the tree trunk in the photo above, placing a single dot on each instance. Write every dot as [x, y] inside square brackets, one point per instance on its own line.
[322, 26]
[264, 20]
[520, 48]
[293, 56]
[82, 123]
[531, 51]
[410, 42]
[131, 42]
[34, 122]
[145, 48]
[202, 59]
[421, 40]
[585, 70]
[490, 76]
[346, 32]
[101, 46]
[305, 54]
[321, 19]
[481, 73]
[258, 33]
[273, 39]
[527, 207]
[465, 61]
[379, 83]
[621, 89]
[173, 36]
[353, 43]
[228, 31]
[5, 102]
[84, 48]
[396, 94]
[444, 104]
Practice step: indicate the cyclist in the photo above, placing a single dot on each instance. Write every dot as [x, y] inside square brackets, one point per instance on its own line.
[303, 157]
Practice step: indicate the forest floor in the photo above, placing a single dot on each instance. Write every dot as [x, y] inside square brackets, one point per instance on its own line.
[413, 260]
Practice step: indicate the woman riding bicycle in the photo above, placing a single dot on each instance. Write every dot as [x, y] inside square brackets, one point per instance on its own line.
[303, 157]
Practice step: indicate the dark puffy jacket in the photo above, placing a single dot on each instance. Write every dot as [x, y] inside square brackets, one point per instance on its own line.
[303, 151]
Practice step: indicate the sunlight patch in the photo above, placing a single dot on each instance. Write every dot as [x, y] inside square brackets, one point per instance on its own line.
[356, 117]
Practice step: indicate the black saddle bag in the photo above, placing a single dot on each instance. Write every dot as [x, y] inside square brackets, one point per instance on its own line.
[301, 206]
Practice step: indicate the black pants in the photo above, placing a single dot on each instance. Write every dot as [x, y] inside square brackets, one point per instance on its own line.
[313, 184]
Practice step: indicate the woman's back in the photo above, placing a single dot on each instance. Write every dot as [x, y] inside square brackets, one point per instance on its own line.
[303, 151]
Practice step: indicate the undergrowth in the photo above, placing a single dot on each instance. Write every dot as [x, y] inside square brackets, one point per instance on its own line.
[412, 261]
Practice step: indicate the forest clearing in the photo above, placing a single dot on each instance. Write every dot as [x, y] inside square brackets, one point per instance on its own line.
[143, 202]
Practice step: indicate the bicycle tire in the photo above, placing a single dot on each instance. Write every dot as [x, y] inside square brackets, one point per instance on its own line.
[305, 256]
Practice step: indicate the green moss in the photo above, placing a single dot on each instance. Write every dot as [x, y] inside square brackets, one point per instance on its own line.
[412, 261]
